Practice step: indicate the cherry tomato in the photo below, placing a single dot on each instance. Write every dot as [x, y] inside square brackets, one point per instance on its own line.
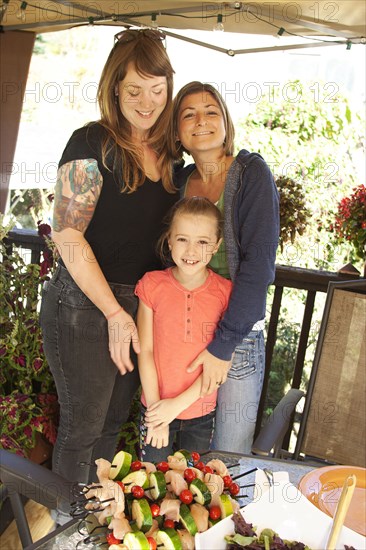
[189, 475]
[215, 512]
[227, 481]
[137, 491]
[200, 465]
[168, 523]
[122, 485]
[234, 489]
[155, 510]
[195, 456]
[111, 539]
[136, 465]
[163, 467]
[207, 470]
[186, 496]
[152, 543]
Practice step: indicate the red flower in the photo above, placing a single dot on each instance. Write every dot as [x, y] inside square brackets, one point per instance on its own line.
[21, 360]
[44, 230]
[28, 431]
[37, 364]
[350, 220]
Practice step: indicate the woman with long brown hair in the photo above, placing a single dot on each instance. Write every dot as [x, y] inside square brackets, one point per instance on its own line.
[243, 188]
[114, 187]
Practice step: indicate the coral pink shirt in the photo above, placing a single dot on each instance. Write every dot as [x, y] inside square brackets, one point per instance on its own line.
[184, 324]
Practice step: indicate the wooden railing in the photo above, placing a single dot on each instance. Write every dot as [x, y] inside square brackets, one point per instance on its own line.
[311, 281]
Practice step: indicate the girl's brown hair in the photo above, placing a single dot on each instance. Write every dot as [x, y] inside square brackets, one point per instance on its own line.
[149, 58]
[194, 206]
[175, 147]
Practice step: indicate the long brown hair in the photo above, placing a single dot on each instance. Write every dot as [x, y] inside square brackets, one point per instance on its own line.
[195, 206]
[175, 147]
[149, 58]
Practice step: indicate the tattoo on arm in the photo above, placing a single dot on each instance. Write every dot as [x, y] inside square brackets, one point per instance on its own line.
[79, 184]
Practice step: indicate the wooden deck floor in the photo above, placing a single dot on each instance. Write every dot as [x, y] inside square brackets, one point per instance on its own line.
[40, 523]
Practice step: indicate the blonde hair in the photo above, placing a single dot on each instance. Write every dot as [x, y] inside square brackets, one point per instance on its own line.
[175, 148]
[194, 206]
[149, 58]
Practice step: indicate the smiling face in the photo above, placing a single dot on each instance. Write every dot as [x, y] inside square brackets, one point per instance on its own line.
[192, 242]
[201, 124]
[141, 100]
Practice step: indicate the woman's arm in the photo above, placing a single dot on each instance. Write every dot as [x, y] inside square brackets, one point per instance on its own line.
[256, 223]
[78, 188]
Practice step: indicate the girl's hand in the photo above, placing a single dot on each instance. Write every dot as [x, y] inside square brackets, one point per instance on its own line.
[162, 413]
[122, 331]
[158, 437]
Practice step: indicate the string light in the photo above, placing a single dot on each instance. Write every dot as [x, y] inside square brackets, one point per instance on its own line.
[154, 23]
[219, 25]
[235, 6]
[21, 12]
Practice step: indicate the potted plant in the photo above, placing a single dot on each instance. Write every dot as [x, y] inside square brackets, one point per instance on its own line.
[28, 400]
[349, 224]
[294, 214]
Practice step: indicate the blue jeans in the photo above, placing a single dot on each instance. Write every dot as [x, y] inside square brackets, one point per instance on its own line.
[94, 397]
[194, 434]
[238, 398]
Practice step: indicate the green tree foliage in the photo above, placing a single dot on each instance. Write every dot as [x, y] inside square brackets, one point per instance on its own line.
[313, 142]
[308, 132]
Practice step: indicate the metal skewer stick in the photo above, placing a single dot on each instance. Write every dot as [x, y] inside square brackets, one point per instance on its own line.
[244, 473]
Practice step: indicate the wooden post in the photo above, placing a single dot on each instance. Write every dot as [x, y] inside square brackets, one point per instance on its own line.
[16, 49]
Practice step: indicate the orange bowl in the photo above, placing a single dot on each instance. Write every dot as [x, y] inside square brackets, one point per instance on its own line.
[323, 487]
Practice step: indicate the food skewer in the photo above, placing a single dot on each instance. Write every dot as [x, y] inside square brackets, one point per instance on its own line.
[245, 473]
[233, 465]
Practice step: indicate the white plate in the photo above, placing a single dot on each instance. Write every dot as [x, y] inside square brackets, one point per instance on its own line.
[285, 510]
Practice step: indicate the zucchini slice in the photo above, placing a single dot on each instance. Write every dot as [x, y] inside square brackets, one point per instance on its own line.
[158, 485]
[200, 491]
[141, 513]
[187, 520]
[182, 454]
[136, 541]
[169, 539]
[135, 478]
[120, 465]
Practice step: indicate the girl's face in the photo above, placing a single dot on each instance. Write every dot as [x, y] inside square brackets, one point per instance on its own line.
[193, 241]
[141, 100]
[201, 125]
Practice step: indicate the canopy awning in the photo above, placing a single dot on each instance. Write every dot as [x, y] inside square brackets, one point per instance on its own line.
[343, 20]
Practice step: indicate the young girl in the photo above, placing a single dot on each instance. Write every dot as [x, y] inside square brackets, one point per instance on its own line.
[178, 312]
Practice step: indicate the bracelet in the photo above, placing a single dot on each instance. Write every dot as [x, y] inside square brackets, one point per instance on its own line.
[114, 313]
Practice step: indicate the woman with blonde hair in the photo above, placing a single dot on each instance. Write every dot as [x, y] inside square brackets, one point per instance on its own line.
[113, 189]
[243, 188]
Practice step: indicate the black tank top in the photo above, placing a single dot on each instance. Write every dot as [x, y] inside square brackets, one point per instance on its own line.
[125, 226]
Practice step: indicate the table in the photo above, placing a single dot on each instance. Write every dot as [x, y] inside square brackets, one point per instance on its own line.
[67, 536]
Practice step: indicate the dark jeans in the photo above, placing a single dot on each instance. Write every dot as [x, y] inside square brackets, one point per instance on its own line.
[94, 397]
[194, 434]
